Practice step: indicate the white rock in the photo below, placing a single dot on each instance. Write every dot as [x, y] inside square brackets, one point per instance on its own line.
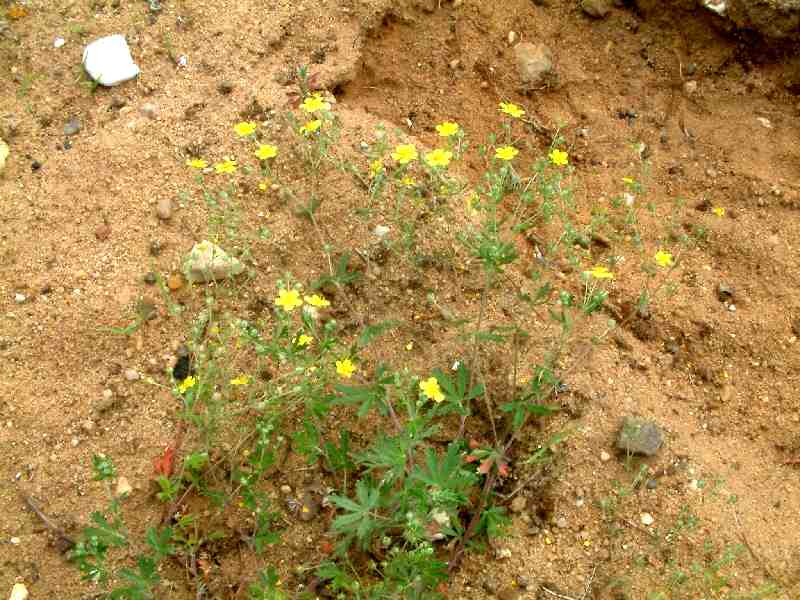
[647, 519]
[209, 262]
[381, 231]
[58, 42]
[15, 541]
[131, 374]
[764, 122]
[108, 60]
[4, 152]
[19, 592]
[717, 6]
[124, 487]
[512, 38]
[19, 298]
[605, 456]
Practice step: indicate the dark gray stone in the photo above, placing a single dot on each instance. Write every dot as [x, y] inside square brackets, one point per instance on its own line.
[638, 436]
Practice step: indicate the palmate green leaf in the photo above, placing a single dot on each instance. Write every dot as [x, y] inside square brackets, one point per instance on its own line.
[112, 534]
[445, 473]
[373, 331]
[456, 389]
[386, 454]
[367, 396]
[159, 540]
[362, 520]
[142, 581]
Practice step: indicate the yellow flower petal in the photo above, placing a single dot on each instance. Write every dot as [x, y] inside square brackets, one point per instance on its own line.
[506, 152]
[345, 368]
[288, 300]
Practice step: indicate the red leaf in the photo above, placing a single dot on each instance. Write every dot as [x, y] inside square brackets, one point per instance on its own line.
[474, 444]
[326, 547]
[165, 464]
[470, 458]
[503, 469]
[485, 466]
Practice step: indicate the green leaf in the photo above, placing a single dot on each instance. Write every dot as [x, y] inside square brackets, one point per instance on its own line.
[373, 331]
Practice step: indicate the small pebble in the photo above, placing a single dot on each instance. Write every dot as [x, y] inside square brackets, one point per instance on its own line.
[518, 504]
[164, 209]
[651, 484]
[286, 489]
[561, 522]
[20, 298]
[117, 103]
[150, 278]
[72, 127]
[455, 63]
[131, 374]
[102, 232]
[647, 519]
[225, 87]
[107, 394]
[19, 592]
[59, 42]
[512, 38]
[490, 585]
[155, 248]
[175, 281]
[690, 87]
[124, 487]
[15, 541]
[605, 456]
[149, 110]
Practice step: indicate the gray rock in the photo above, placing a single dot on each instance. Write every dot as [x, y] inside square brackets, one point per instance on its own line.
[535, 64]
[776, 19]
[149, 110]
[209, 262]
[598, 9]
[72, 127]
[164, 209]
[638, 436]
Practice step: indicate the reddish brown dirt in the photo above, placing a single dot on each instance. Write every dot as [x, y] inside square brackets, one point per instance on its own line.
[722, 384]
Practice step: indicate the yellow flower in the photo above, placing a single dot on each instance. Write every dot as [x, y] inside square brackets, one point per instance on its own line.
[317, 300]
[511, 110]
[408, 181]
[196, 163]
[314, 103]
[663, 258]
[405, 153]
[447, 129]
[311, 127]
[628, 180]
[506, 152]
[288, 300]
[245, 128]
[226, 166]
[240, 380]
[719, 211]
[345, 368]
[303, 340]
[186, 384]
[431, 390]
[264, 185]
[375, 168]
[438, 157]
[600, 272]
[558, 157]
[266, 151]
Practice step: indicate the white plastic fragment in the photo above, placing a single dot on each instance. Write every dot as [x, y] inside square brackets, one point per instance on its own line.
[108, 60]
[717, 6]
[19, 592]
